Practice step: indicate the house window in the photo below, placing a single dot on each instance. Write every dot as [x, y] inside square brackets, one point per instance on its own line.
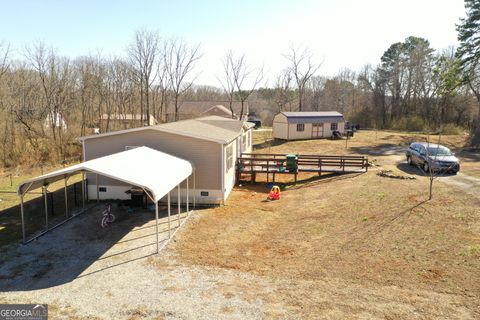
[300, 127]
[229, 158]
[334, 126]
[244, 141]
[249, 138]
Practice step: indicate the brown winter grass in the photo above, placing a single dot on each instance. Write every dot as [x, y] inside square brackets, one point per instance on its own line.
[377, 238]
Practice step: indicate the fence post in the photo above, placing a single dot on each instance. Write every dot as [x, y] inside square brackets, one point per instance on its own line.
[252, 178]
[268, 172]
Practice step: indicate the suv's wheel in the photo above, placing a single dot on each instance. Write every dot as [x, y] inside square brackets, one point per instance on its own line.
[425, 167]
[409, 161]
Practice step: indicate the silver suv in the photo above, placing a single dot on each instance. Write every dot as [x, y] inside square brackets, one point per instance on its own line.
[432, 156]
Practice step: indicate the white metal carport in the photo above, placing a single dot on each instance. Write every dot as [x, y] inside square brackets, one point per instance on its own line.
[157, 173]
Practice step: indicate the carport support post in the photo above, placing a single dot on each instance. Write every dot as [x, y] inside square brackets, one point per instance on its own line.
[178, 204]
[156, 221]
[23, 218]
[66, 197]
[168, 201]
[188, 198]
[44, 191]
[83, 191]
[194, 189]
[98, 192]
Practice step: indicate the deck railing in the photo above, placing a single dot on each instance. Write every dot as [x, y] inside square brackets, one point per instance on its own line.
[276, 163]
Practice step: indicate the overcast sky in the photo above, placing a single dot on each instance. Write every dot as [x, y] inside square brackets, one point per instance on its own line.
[342, 33]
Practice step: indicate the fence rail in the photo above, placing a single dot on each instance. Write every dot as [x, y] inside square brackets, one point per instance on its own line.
[276, 163]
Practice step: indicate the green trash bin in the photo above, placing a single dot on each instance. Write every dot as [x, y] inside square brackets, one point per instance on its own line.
[292, 162]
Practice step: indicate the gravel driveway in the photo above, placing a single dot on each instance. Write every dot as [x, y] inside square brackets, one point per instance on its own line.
[460, 181]
[82, 271]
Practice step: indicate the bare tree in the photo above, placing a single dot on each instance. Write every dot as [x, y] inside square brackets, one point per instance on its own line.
[180, 60]
[302, 68]
[4, 63]
[283, 90]
[143, 54]
[238, 75]
[228, 80]
[55, 75]
[162, 86]
[316, 88]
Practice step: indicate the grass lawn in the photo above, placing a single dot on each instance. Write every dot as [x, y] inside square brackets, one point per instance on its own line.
[354, 230]
[356, 246]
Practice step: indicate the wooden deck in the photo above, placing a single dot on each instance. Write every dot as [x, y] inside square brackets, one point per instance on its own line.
[274, 163]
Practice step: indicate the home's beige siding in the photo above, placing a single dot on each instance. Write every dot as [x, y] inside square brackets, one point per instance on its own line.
[230, 173]
[249, 134]
[204, 155]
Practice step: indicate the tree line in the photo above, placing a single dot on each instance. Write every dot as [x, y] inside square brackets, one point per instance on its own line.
[413, 87]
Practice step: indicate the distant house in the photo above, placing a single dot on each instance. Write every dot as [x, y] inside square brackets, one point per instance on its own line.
[116, 121]
[220, 111]
[195, 109]
[211, 144]
[55, 119]
[307, 125]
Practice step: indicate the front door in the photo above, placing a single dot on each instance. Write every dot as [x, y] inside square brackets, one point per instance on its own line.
[317, 130]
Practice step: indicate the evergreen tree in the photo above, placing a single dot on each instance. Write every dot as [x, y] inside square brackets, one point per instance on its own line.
[469, 54]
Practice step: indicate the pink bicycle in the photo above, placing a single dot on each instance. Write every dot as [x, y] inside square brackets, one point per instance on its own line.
[108, 216]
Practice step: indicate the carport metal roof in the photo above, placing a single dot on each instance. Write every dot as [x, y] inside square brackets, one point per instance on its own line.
[152, 170]
[157, 173]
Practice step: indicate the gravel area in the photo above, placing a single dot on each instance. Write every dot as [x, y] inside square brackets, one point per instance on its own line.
[82, 270]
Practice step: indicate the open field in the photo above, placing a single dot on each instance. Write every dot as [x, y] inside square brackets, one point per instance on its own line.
[355, 246]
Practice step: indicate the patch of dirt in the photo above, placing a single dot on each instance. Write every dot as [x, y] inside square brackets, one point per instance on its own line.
[393, 175]
[379, 239]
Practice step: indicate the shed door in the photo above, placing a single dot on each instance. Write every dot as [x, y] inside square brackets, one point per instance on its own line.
[317, 130]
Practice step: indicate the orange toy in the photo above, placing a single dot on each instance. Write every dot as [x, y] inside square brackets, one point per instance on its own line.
[274, 193]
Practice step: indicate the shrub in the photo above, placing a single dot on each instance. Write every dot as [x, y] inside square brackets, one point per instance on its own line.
[412, 123]
[452, 129]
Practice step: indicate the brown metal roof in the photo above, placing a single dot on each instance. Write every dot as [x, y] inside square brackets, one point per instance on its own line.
[198, 107]
[212, 128]
[221, 108]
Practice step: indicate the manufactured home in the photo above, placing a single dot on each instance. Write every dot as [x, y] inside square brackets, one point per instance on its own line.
[211, 144]
[307, 125]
